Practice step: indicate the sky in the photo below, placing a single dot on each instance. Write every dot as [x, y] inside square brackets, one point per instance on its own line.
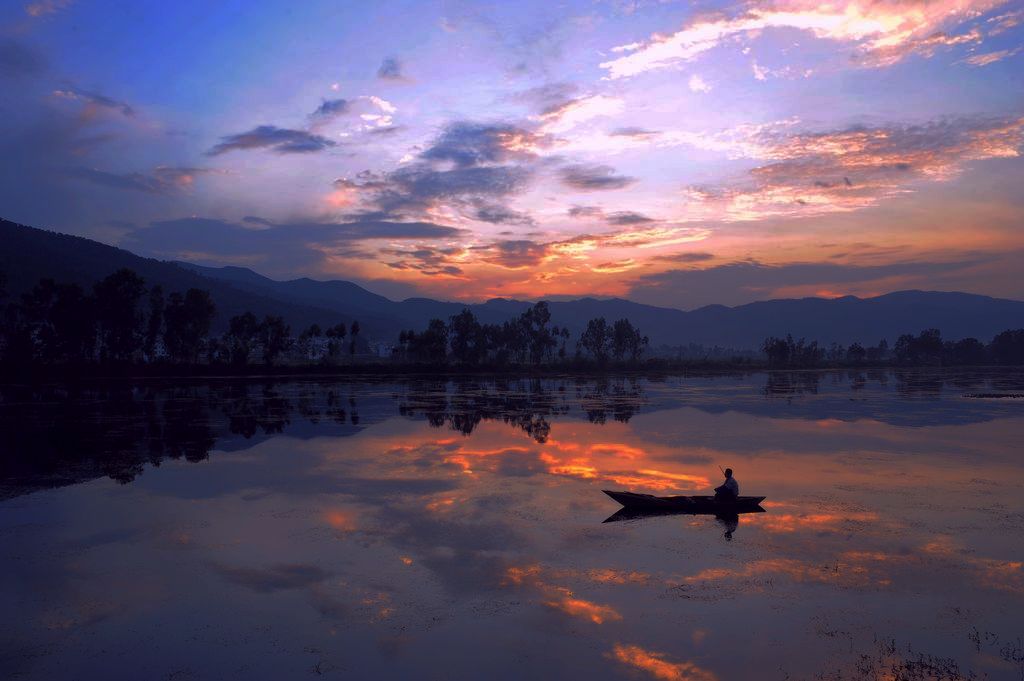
[672, 153]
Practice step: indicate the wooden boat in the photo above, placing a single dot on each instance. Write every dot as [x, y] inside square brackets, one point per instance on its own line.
[681, 504]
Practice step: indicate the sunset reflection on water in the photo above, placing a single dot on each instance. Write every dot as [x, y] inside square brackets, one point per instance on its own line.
[455, 531]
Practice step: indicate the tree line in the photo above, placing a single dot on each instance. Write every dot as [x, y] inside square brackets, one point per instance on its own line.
[926, 348]
[529, 339]
[121, 320]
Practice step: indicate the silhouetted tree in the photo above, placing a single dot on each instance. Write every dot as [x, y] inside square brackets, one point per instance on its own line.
[596, 339]
[925, 348]
[187, 324]
[119, 315]
[155, 321]
[352, 343]
[432, 344]
[856, 353]
[274, 336]
[307, 338]
[538, 335]
[777, 350]
[242, 335]
[336, 335]
[1008, 347]
[626, 340]
[468, 341]
[57, 323]
[877, 353]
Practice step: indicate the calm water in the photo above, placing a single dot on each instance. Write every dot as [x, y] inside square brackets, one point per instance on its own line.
[449, 530]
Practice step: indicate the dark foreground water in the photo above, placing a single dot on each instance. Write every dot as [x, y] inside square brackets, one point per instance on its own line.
[453, 530]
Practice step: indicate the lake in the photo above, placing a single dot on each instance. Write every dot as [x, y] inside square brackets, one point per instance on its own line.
[454, 529]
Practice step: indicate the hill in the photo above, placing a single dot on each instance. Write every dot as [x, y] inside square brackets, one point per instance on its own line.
[30, 254]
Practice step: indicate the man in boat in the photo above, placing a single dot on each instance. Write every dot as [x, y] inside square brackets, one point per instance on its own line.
[728, 490]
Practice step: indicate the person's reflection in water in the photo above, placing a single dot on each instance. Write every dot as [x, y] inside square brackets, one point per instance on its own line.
[731, 521]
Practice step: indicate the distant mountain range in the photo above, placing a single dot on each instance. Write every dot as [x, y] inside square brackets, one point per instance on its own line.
[28, 254]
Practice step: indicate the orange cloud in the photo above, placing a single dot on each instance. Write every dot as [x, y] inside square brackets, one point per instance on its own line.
[884, 32]
[657, 666]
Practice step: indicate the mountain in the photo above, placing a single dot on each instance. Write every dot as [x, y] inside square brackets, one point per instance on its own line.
[841, 320]
[29, 254]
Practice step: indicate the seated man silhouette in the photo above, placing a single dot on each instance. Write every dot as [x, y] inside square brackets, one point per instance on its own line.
[729, 490]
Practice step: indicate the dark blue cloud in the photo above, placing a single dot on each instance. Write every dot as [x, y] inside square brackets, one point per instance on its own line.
[390, 69]
[278, 140]
[331, 108]
[594, 178]
[283, 248]
[17, 59]
[466, 144]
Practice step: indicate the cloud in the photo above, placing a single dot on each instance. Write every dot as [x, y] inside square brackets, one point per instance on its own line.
[498, 214]
[468, 167]
[882, 32]
[1004, 22]
[426, 260]
[627, 217]
[594, 177]
[330, 109]
[17, 59]
[281, 247]
[94, 100]
[278, 140]
[989, 57]
[162, 180]
[515, 254]
[620, 218]
[814, 173]
[467, 144]
[687, 257]
[656, 665]
[585, 212]
[276, 578]
[547, 97]
[41, 8]
[697, 84]
[634, 132]
[390, 69]
[369, 112]
[566, 115]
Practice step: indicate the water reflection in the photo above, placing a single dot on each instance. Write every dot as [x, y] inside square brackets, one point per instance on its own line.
[729, 521]
[451, 529]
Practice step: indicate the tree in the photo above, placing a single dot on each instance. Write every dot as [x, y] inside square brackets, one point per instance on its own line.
[155, 321]
[431, 345]
[1008, 347]
[119, 315]
[274, 336]
[336, 334]
[966, 351]
[187, 322]
[241, 336]
[777, 350]
[855, 353]
[926, 347]
[352, 343]
[626, 340]
[538, 336]
[468, 341]
[596, 339]
[55, 323]
[306, 339]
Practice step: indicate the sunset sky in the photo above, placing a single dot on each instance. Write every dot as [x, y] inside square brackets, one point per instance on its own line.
[672, 153]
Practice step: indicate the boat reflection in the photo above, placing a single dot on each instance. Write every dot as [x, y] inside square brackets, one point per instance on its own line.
[730, 521]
